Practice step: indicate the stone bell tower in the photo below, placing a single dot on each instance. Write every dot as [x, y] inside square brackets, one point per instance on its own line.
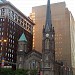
[48, 43]
[22, 50]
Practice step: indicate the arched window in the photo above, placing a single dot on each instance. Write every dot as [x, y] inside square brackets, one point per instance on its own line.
[32, 64]
[20, 66]
[29, 65]
[47, 44]
[46, 57]
[21, 59]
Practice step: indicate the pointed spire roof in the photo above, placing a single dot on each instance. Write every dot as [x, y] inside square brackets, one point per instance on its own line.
[23, 38]
[2, 1]
[48, 17]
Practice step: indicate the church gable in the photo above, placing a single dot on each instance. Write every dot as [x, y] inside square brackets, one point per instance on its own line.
[33, 60]
[34, 54]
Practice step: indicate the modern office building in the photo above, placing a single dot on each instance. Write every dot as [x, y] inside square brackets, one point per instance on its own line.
[63, 22]
[12, 24]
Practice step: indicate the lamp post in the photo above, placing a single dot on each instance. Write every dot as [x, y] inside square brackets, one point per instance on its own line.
[2, 51]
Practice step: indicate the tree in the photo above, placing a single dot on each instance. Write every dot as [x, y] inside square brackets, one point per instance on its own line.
[21, 72]
[34, 72]
[6, 71]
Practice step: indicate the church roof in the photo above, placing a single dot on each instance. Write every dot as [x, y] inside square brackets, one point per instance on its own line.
[23, 38]
[48, 17]
[34, 53]
[2, 1]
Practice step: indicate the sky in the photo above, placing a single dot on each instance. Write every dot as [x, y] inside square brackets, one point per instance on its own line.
[25, 6]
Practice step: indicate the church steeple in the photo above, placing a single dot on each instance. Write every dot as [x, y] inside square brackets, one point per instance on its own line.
[48, 24]
[48, 48]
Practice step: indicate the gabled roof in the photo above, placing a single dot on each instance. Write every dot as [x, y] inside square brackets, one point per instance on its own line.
[34, 53]
[23, 38]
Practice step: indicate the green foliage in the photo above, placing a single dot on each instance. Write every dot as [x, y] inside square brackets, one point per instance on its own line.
[33, 72]
[5, 71]
[21, 72]
[8, 71]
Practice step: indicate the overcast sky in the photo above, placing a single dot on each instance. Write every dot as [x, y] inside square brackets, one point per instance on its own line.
[26, 5]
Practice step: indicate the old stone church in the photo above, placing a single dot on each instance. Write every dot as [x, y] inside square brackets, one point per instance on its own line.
[45, 61]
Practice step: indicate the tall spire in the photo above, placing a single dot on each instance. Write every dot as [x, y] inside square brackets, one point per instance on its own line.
[48, 17]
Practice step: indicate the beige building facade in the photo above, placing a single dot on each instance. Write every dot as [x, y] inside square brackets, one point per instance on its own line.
[63, 23]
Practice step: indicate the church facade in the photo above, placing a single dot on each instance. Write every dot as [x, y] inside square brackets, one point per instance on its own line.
[45, 61]
[26, 60]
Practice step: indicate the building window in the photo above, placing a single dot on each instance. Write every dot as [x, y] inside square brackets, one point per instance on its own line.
[27, 25]
[20, 50]
[12, 60]
[0, 24]
[24, 22]
[2, 33]
[13, 46]
[30, 28]
[8, 59]
[1, 48]
[9, 40]
[20, 65]
[9, 12]
[8, 55]
[47, 44]
[46, 57]
[32, 64]
[0, 29]
[2, 11]
[12, 51]
[24, 26]
[12, 15]
[20, 58]
[3, 19]
[13, 38]
[16, 17]
[46, 64]
[19, 19]
[12, 56]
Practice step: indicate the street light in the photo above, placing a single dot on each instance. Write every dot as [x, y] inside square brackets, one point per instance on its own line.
[2, 53]
[3, 40]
